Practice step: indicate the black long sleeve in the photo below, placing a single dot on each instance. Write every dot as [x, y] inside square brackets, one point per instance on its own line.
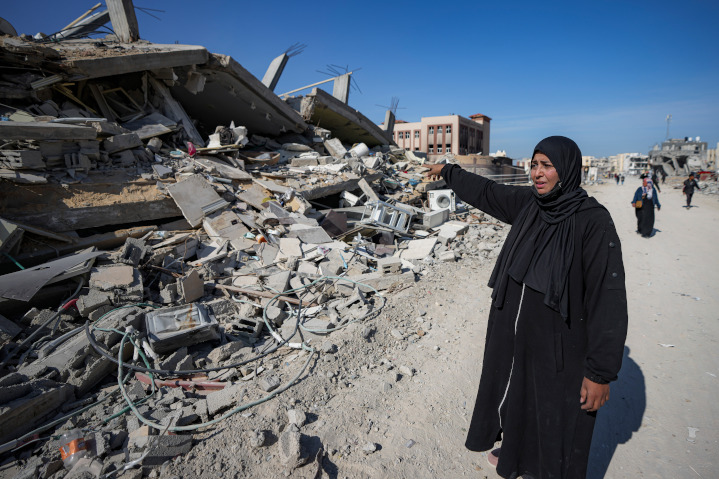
[605, 307]
[504, 202]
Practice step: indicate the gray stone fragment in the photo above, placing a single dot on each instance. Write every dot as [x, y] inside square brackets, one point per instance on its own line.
[224, 399]
[290, 450]
[269, 383]
[173, 361]
[91, 301]
[133, 251]
[297, 417]
[166, 448]
[369, 448]
[257, 438]
[223, 352]
[117, 438]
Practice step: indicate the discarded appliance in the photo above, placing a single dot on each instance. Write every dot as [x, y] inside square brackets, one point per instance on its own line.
[435, 218]
[389, 216]
[442, 199]
[171, 328]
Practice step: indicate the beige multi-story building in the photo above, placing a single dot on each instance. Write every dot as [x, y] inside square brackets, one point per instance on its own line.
[438, 135]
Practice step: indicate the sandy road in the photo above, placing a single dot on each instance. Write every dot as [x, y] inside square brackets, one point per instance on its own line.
[663, 416]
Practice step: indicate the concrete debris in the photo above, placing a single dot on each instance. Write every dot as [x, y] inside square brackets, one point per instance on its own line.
[250, 232]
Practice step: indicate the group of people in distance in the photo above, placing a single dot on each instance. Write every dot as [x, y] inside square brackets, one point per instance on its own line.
[646, 198]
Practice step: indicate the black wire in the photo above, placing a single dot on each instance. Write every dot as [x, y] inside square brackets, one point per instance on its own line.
[169, 372]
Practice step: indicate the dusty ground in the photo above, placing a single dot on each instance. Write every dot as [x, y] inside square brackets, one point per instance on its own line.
[408, 387]
[661, 420]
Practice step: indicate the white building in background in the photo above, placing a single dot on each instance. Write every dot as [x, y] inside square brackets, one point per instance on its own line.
[637, 163]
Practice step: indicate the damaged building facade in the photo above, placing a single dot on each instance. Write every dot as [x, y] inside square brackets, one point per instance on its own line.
[679, 156]
[172, 231]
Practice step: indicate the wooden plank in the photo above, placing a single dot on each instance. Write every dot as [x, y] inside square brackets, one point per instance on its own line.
[102, 103]
[17, 130]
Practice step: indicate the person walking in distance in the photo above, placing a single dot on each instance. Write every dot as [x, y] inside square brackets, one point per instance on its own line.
[558, 319]
[655, 181]
[644, 201]
[622, 179]
[688, 190]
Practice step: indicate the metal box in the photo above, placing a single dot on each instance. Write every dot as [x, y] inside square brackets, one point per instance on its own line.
[171, 328]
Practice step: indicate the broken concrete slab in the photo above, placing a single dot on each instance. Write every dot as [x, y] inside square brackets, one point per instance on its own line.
[128, 58]
[17, 130]
[196, 198]
[390, 265]
[309, 234]
[191, 287]
[25, 413]
[347, 124]
[118, 143]
[228, 397]
[235, 93]
[109, 278]
[417, 249]
[91, 301]
[335, 148]
[8, 330]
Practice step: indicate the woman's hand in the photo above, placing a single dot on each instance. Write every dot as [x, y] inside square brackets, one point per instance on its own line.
[434, 171]
[593, 395]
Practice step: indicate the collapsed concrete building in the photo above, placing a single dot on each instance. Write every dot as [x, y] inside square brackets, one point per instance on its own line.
[166, 222]
[678, 156]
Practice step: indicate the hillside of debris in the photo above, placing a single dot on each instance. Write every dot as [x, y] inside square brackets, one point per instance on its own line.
[184, 253]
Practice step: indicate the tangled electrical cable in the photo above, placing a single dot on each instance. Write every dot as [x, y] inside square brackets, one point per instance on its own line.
[131, 335]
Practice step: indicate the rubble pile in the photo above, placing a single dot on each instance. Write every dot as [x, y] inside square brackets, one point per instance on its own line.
[153, 277]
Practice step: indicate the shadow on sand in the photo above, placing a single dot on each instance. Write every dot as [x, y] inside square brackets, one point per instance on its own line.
[619, 418]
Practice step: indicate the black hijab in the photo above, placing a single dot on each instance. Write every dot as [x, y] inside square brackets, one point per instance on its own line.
[540, 246]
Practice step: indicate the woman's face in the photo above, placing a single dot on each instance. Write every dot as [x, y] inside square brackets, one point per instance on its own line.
[644, 181]
[544, 176]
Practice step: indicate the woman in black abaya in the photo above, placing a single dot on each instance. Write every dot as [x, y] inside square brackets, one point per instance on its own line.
[556, 331]
[647, 195]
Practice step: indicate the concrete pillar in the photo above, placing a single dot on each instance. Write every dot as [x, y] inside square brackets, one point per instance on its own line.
[341, 89]
[124, 21]
[274, 71]
[389, 124]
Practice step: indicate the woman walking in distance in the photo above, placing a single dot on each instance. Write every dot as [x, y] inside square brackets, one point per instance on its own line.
[558, 321]
[644, 201]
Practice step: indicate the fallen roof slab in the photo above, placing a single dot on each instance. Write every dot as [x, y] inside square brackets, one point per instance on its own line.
[106, 198]
[349, 125]
[125, 58]
[231, 93]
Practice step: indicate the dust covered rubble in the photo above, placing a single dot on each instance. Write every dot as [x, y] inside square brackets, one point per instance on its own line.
[238, 313]
[244, 347]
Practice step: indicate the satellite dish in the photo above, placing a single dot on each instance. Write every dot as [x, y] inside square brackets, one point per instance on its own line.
[6, 28]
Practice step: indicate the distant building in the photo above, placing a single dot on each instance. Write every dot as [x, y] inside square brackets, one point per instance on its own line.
[438, 135]
[637, 163]
[679, 157]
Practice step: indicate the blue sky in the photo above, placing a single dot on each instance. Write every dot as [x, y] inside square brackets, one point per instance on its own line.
[604, 73]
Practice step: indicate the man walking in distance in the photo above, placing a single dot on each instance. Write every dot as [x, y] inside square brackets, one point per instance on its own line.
[688, 190]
